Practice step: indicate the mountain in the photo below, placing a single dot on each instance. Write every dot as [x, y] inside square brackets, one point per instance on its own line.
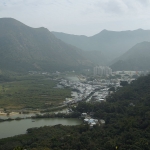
[137, 58]
[23, 48]
[97, 57]
[112, 44]
[90, 48]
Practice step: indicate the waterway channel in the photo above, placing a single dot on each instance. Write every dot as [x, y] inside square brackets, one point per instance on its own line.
[12, 128]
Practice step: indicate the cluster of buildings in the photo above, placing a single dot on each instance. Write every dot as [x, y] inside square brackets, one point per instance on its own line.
[80, 91]
[100, 96]
[102, 70]
[90, 121]
[128, 76]
[90, 91]
[103, 86]
[132, 73]
[95, 90]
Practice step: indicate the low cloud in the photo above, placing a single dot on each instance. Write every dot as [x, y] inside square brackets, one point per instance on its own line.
[79, 16]
[144, 2]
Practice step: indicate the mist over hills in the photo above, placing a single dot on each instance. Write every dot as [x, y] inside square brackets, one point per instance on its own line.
[91, 50]
[23, 48]
[111, 44]
[136, 59]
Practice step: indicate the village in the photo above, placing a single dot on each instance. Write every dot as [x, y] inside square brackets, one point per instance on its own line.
[82, 89]
[95, 90]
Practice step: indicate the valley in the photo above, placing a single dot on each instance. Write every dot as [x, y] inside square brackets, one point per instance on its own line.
[64, 91]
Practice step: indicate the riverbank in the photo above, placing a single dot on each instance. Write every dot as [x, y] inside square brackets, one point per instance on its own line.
[40, 115]
[10, 114]
[28, 113]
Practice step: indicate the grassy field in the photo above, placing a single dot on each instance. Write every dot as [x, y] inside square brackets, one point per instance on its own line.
[31, 92]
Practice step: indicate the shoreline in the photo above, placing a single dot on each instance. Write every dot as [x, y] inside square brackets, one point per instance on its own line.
[10, 114]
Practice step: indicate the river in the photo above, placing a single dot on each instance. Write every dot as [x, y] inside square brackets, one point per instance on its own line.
[12, 128]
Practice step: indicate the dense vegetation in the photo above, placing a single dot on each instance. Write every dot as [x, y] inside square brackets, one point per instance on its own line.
[31, 92]
[4, 78]
[127, 116]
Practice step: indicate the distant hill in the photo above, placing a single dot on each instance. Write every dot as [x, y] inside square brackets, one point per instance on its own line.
[96, 57]
[90, 48]
[137, 58]
[23, 48]
[112, 44]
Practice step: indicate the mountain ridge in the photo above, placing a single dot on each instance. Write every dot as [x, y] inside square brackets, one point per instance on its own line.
[112, 44]
[26, 48]
[137, 58]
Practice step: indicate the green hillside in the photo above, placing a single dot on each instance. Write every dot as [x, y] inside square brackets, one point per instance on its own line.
[136, 59]
[23, 48]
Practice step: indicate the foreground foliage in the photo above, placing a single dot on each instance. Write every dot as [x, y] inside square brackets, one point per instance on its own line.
[127, 116]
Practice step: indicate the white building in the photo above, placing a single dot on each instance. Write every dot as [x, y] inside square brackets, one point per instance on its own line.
[102, 70]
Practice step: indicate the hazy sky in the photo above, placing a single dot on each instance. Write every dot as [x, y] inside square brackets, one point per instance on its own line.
[82, 17]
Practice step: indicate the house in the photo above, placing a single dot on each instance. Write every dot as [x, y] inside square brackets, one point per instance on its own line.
[91, 121]
[131, 104]
[102, 121]
[83, 115]
[86, 120]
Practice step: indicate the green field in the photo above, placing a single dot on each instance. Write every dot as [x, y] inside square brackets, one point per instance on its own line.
[31, 92]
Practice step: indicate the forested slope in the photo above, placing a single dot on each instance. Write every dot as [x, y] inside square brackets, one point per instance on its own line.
[23, 49]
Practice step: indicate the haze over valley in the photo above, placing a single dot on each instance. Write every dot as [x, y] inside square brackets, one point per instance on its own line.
[24, 48]
[74, 75]
[111, 44]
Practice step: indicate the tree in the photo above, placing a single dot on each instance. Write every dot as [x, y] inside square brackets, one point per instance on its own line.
[123, 83]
